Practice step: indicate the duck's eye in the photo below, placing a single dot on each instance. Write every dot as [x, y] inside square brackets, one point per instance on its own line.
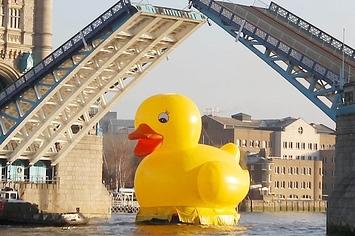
[163, 117]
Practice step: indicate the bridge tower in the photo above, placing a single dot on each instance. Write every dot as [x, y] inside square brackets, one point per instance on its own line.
[341, 208]
[25, 35]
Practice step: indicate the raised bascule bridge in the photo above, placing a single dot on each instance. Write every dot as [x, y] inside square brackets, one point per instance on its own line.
[45, 114]
[48, 112]
[320, 66]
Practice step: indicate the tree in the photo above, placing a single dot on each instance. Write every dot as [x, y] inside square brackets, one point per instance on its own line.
[120, 163]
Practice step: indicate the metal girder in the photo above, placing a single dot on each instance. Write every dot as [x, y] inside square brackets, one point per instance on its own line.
[48, 119]
[311, 30]
[76, 83]
[319, 84]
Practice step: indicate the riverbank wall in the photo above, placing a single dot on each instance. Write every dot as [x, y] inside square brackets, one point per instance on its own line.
[283, 206]
[77, 186]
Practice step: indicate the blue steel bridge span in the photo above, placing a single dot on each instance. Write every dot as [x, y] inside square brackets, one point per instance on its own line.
[313, 61]
[46, 112]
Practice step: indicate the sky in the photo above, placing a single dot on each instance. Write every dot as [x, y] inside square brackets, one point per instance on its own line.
[212, 69]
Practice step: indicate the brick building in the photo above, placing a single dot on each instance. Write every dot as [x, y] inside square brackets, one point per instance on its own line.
[286, 179]
[282, 139]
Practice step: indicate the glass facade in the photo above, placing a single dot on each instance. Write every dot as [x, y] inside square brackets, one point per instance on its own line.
[38, 173]
[16, 171]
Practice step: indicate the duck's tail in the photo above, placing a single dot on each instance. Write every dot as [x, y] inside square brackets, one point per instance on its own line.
[240, 156]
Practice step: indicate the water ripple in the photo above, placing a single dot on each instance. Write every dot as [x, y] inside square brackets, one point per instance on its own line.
[285, 224]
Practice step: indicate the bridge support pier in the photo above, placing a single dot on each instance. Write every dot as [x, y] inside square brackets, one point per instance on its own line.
[341, 204]
[79, 183]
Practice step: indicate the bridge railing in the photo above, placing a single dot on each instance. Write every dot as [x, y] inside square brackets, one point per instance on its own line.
[124, 201]
[169, 12]
[311, 30]
[63, 51]
[270, 41]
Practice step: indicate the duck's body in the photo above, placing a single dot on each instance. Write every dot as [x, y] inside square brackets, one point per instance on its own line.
[197, 183]
[180, 181]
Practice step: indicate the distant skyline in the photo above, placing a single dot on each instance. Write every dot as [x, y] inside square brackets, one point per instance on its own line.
[212, 69]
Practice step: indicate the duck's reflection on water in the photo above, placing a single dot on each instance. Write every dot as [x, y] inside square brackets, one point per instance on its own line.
[184, 229]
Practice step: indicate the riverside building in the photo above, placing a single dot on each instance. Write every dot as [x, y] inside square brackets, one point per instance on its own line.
[288, 142]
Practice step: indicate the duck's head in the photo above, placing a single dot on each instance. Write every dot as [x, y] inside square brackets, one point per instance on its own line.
[166, 122]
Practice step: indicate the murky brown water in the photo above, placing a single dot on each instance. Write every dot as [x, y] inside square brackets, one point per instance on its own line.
[285, 224]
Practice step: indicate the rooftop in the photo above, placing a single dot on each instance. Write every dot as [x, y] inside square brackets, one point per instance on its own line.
[243, 120]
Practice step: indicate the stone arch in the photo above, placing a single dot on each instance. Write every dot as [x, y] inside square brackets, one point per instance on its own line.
[7, 75]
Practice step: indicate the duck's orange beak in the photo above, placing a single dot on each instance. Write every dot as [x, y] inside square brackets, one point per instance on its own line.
[148, 140]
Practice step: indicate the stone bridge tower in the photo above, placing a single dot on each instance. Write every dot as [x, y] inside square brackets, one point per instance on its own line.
[25, 36]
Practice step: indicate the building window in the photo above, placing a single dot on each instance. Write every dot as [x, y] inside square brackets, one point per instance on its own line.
[251, 143]
[315, 146]
[285, 145]
[237, 142]
[257, 143]
[303, 146]
[14, 18]
[310, 146]
[300, 130]
[290, 145]
[2, 16]
[309, 157]
[298, 146]
[290, 157]
[310, 171]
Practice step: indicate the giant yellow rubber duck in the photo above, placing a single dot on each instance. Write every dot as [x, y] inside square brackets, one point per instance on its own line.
[180, 180]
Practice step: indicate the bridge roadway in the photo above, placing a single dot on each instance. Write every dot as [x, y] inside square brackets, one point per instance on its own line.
[280, 23]
[49, 109]
[310, 59]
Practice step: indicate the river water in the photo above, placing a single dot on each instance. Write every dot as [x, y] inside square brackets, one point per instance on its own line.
[283, 224]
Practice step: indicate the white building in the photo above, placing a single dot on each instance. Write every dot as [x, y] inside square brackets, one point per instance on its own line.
[298, 140]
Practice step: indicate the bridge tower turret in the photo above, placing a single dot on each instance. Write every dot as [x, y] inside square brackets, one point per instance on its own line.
[43, 29]
[25, 29]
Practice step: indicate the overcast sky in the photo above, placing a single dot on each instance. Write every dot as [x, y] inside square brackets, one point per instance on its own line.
[214, 70]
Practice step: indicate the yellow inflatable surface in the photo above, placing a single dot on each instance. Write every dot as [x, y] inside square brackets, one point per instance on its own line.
[180, 180]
